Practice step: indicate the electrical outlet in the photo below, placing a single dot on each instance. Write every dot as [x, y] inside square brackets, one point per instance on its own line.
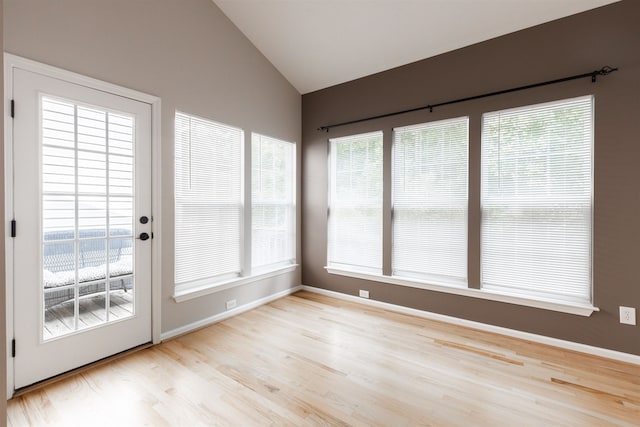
[231, 304]
[364, 294]
[628, 315]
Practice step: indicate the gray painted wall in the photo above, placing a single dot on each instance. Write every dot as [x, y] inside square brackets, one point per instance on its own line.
[574, 45]
[191, 56]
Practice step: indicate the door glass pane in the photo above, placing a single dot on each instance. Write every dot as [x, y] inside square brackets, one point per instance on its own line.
[59, 313]
[121, 297]
[91, 304]
[87, 217]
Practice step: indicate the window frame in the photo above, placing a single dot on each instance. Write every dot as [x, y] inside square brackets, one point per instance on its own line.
[194, 196]
[474, 212]
[540, 203]
[247, 273]
[332, 190]
[461, 281]
[289, 257]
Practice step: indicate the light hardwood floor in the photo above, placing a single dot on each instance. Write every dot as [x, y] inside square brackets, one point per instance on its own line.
[310, 360]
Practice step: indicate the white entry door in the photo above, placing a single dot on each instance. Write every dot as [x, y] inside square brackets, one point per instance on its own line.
[82, 207]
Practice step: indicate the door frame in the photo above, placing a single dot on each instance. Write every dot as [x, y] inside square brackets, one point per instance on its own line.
[12, 62]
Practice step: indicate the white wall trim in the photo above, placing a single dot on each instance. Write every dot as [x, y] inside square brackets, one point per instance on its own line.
[541, 339]
[191, 292]
[227, 314]
[13, 61]
[562, 307]
[156, 223]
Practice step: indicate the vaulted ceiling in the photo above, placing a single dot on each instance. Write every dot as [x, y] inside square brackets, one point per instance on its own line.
[320, 43]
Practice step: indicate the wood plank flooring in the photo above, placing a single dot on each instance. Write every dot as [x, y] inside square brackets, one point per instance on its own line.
[311, 360]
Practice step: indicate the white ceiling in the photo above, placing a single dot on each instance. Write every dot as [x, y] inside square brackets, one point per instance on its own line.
[320, 43]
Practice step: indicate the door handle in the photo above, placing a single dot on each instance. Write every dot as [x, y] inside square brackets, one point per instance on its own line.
[143, 236]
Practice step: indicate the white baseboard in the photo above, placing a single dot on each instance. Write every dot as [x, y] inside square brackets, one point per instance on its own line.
[227, 314]
[555, 342]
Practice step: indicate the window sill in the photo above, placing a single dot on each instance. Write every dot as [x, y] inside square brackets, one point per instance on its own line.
[181, 295]
[563, 307]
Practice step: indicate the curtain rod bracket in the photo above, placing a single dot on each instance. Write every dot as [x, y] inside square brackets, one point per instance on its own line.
[602, 72]
[606, 70]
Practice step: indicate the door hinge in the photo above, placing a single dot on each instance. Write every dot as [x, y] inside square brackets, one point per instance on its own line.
[13, 108]
[13, 347]
[13, 228]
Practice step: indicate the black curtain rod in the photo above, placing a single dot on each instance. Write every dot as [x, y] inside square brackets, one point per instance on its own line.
[601, 72]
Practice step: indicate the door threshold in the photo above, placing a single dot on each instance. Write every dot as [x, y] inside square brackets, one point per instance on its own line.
[40, 384]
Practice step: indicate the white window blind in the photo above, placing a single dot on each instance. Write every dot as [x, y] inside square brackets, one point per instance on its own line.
[355, 202]
[208, 202]
[536, 200]
[430, 163]
[272, 201]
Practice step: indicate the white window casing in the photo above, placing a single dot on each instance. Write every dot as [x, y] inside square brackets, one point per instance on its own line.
[355, 202]
[537, 190]
[430, 201]
[272, 202]
[208, 201]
